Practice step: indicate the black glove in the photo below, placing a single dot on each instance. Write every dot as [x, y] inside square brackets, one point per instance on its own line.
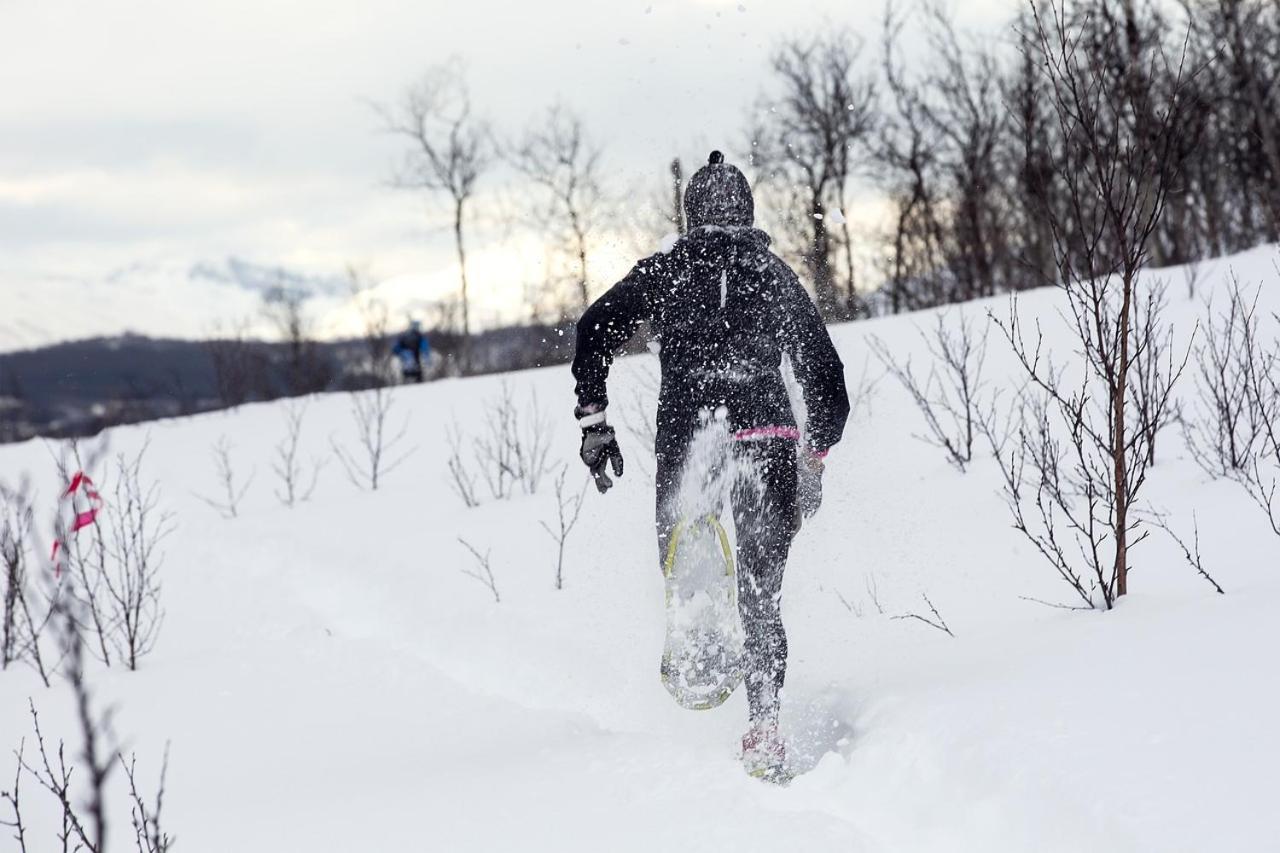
[600, 449]
[809, 483]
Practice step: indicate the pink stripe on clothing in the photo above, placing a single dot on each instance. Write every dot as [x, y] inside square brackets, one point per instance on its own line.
[767, 432]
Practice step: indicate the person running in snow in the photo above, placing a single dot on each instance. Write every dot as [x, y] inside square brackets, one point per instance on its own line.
[413, 349]
[725, 310]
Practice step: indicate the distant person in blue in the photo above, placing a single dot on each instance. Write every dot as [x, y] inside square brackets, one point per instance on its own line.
[414, 350]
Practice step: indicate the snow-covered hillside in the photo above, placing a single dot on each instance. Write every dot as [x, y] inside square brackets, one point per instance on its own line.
[331, 680]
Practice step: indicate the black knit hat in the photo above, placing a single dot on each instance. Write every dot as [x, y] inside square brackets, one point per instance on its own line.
[718, 194]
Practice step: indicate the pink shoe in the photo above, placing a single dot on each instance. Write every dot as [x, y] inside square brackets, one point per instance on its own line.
[764, 755]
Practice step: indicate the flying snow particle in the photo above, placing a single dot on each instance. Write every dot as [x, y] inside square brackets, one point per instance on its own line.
[669, 243]
[837, 216]
[724, 286]
[654, 346]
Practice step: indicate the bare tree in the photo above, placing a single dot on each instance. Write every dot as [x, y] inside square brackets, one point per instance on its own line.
[483, 571]
[375, 326]
[297, 482]
[909, 149]
[949, 396]
[228, 504]
[807, 142]
[449, 149]
[557, 154]
[239, 366]
[568, 508]
[285, 306]
[379, 450]
[1117, 176]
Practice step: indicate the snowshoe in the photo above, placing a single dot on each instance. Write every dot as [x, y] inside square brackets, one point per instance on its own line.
[703, 655]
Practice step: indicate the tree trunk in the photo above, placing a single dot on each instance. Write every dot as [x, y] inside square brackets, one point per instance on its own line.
[819, 261]
[465, 354]
[580, 238]
[1120, 573]
[677, 208]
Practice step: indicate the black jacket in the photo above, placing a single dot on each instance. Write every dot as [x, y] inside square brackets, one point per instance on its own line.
[725, 309]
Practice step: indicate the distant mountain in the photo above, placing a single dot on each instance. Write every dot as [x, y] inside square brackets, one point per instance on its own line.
[156, 299]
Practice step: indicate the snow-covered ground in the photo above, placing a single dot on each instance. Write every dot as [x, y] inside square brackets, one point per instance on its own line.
[331, 680]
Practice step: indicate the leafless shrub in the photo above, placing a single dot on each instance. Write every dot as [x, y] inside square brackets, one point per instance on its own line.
[80, 550]
[1233, 427]
[511, 452]
[84, 813]
[1058, 495]
[863, 392]
[297, 482]
[23, 619]
[1192, 552]
[137, 527]
[148, 833]
[873, 592]
[1154, 369]
[114, 562]
[461, 480]
[14, 799]
[379, 452]
[228, 504]
[568, 508]
[935, 622]
[639, 418]
[855, 609]
[948, 396]
[483, 572]
[1223, 424]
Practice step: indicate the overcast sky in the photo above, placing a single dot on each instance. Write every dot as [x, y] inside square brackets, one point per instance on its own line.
[177, 131]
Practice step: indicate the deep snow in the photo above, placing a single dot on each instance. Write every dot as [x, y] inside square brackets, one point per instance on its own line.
[331, 681]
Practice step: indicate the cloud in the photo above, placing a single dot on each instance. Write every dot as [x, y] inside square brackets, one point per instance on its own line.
[178, 131]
